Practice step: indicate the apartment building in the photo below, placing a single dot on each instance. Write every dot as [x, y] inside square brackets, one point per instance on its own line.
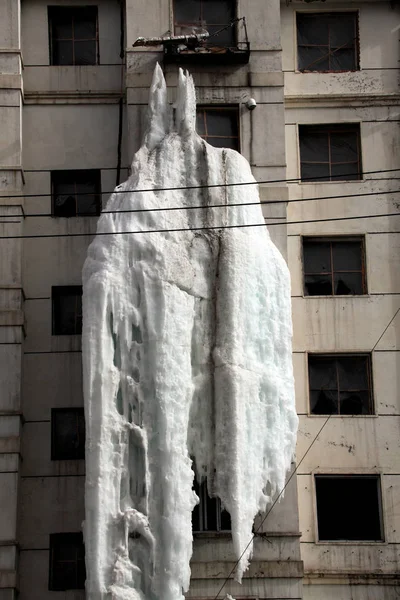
[324, 143]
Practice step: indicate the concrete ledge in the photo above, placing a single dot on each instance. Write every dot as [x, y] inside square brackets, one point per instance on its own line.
[342, 578]
[10, 82]
[11, 318]
[276, 569]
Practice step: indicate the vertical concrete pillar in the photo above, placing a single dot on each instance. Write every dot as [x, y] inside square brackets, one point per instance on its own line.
[11, 294]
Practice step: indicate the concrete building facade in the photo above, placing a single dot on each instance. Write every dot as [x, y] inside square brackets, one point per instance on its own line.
[73, 95]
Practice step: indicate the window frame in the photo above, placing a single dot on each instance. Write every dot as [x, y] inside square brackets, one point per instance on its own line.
[175, 25]
[347, 127]
[335, 239]
[75, 174]
[53, 547]
[215, 108]
[354, 474]
[323, 12]
[202, 492]
[56, 455]
[370, 380]
[53, 9]
[56, 293]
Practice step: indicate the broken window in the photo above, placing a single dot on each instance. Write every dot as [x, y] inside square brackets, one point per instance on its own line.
[76, 193]
[340, 384]
[330, 152]
[209, 515]
[349, 508]
[212, 15]
[67, 309]
[67, 434]
[67, 562]
[334, 266]
[219, 126]
[73, 35]
[327, 41]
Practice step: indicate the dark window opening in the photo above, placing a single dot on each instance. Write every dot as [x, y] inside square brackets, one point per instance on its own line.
[209, 515]
[334, 266]
[67, 562]
[327, 41]
[76, 193]
[219, 126]
[67, 434]
[349, 508]
[67, 310]
[340, 384]
[73, 35]
[330, 152]
[212, 15]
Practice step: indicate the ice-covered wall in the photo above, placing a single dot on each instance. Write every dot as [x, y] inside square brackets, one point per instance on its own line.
[187, 357]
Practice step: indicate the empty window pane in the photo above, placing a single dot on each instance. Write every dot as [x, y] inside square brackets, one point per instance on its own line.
[85, 52]
[76, 193]
[348, 508]
[217, 11]
[317, 257]
[327, 41]
[348, 255]
[208, 515]
[333, 266]
[347, 284]
[213, 15]
[331, 151]
[73, 35]
[315, 172]
[317, 285]
[67, 310]
[63, 52]
[67, 562]
[314, 58]
[67, 434]
[85, 25]
[343, 147]
[219, 127]
[340, 384]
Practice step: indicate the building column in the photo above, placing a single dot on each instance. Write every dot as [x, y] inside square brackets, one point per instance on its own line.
[11, 294]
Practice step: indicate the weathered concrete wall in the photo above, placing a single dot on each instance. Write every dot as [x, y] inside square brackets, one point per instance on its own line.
[352, 445]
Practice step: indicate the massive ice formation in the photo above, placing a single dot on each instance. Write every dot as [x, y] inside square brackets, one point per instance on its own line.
[187, 359]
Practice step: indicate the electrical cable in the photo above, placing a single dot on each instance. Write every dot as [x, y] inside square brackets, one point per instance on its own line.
[199, 207]
[181, 229]
[216, 185]
[270, 510]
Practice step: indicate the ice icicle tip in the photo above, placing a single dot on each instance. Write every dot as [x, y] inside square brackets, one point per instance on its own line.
[158, 113]
[185, 117]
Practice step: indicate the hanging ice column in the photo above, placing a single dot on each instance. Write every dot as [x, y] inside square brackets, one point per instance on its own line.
[187, 359]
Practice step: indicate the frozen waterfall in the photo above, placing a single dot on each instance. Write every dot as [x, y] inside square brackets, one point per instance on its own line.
[187, 359]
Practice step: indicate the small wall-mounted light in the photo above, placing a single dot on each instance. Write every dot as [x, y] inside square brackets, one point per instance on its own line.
[251, 104]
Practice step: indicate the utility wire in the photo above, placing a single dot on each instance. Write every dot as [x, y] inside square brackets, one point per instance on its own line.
[210, 186]
[270, 510]
[386, 328]
[198, 207]
[181, 229]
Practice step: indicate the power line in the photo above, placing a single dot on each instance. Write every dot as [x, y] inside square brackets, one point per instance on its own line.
[270, 510]
[181, 229]
[386, 328]
[199, 207]
[212, 185]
